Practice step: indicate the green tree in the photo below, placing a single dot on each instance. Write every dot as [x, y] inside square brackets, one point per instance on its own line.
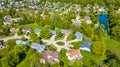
[116, 31]
[86, 29]
[34, 37]
[10, 44]
[45, 32]
[59, 34]
[99, 48]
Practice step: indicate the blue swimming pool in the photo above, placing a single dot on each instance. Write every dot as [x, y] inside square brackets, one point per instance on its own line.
[103, 19]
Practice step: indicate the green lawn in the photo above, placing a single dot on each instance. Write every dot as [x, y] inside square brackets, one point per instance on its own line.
[113, 46]
[34, 25]
[61, 43]
[90, 58]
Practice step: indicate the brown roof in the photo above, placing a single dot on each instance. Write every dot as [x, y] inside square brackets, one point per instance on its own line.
[74, 52]
[77, 16]
[1, 30]
[14, 29]
[26, 29]
[50, 53]
[55, 54]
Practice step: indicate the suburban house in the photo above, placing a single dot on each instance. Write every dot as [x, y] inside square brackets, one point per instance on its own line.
[50, 57]
[65, 31]
[53, 32]
[86, 46]
[79, 36]
[26, 30]
[7, 17]
[2, 44]
[101, 9]
[77, 16]
[37, 31]
[20, 42]
[14, 30]
[87, 19]
[1, 30]
[74, 54]
[38, 47]
[76, 22]
[7, 22]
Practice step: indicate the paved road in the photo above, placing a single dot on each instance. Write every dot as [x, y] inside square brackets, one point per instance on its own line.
[67, 44]
[13, 37]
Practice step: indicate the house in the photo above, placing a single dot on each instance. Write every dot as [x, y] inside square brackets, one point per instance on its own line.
[1, 30]
[87, 11]
[74, 54]
[86, 46]
[79, 36]
[65, 32]
[14, 30]
[38, 47]
[77, 20]
[2, 44]
[53, 32]
[37, 30]
[7, 17]
[87, 19]
[50, 57]
[77, 16]
[101, 9]
[26, 30]
[7, 22]
[20, 42]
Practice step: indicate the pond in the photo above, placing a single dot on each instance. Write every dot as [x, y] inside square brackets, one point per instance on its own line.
[103, 19]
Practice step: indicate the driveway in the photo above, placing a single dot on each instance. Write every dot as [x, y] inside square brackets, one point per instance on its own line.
[67, 44]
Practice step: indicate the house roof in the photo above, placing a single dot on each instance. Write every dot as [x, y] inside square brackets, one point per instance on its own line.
[18, 42]
[14, 29]
[50, 53]
[7, 22]
[37, 30]
[64, 31]
[1, 30]
[73, 52]
[78, 35]
[77, 16]
[86, 44]
[26, 29]
[38, 47]
[53, 32]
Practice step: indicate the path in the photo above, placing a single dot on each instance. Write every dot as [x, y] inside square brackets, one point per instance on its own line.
[13, 37]
[67, 44]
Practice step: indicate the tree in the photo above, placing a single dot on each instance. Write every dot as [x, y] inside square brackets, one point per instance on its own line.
[116, 31]
[86, 29]
[45, 32]
[71, 37]
[34, 37]
[15, 56]
[10, 44]
[99, 48]
[6, 31]
[59, 34]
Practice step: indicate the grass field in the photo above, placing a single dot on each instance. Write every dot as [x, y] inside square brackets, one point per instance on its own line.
[113, 46]
[34, 25]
